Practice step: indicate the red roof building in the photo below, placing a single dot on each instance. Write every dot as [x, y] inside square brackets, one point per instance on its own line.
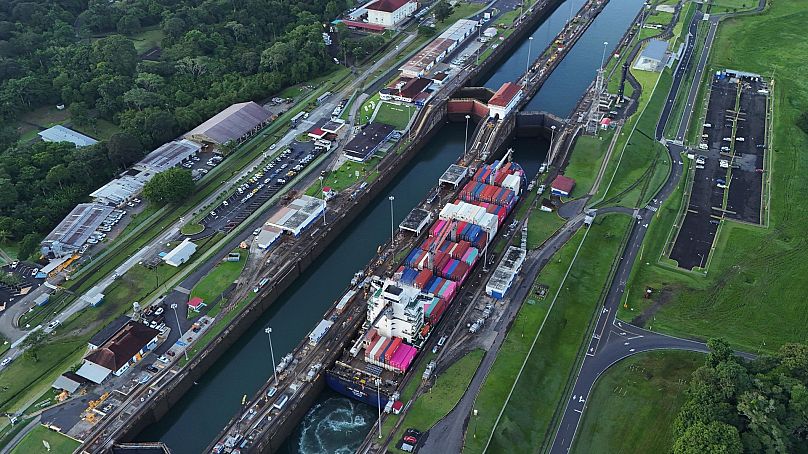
[196, 303]
[504, 99]
[562, 186]
[389, 13]
[363, 26]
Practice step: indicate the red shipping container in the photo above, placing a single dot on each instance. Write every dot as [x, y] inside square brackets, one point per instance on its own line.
[434, 317]
[389, 353]
[422, 278]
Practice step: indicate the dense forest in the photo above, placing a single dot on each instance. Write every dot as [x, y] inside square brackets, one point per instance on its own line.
[734, 406]
[80, 53]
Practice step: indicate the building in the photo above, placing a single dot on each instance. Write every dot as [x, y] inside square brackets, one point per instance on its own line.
[319, 332]
[399, 310]
[267, 236]
[562, 186]
[416, 221]
[438, 49]
[295, 217]
[181, 253]
[454, 175]
[235, 123]
[652, 57]
[60, 133]
[506, 272]
[504, 100]
[406, 90]
[125, 348]
[367, 142]
[93, 297]
[69, 381]
[168, 155]
[356, 25]
[74, 230]
[122, 189]
[101, 337]
[196, 304]
[389, 13]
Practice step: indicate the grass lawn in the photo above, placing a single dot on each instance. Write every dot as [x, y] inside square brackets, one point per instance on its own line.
[642, 162]
[439, 400]
[586, 160]
[731, 6]
[634, 403]
[395, 115]
[192, 229]
[32, 442]
[101, 130]
[345, 176]
[540, 226]
[147, 39]
[367, 108]
[528, 415]
[753, 293]
[219, 278]
[660, 18]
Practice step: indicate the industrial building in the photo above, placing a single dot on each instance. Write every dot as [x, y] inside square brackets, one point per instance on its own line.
[100, 338]
[235, 123]
[454, 175]
[438, 49]
[125, 348]
[69, 381]
[74, 230]
[407, 90]
[416, 221]
[267, 236]
[389, 13]
[506, 272]
[562, 186]
[652, 57]
[122, 189]
[295, 217]
[504, 100]
[181, 253]
[60, 133]
[168, 155]
[366, 143]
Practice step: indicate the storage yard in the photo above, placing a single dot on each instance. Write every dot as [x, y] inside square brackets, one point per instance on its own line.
[728, 165]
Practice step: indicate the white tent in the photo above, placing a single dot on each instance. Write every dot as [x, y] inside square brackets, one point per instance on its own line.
[93, 372]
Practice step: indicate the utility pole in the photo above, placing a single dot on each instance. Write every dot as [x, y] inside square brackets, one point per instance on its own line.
[392, 231]
[268, 330]
[527, 63]
[323, 195]
[466, 143]
[179, 329]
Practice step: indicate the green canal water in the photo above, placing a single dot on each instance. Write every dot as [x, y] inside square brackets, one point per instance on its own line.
[336, 424]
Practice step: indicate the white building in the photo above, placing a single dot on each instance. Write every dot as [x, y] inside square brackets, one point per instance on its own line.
[390, 13]
[398, 310]
[504, 100]
[181, 253]
[652, 57]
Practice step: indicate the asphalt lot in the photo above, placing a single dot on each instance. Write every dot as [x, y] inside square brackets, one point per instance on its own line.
[746, 184]
[249, 195]
[10, 294]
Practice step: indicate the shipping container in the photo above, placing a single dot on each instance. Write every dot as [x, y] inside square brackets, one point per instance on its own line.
[423, 278]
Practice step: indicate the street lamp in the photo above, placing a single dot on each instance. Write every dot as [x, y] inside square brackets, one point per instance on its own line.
[603, 57]
[179, 329]
[323, 195]
[379, 402]
[552, 138]
[268, 330]
[527, 63]
[392, 232]
[466, 143]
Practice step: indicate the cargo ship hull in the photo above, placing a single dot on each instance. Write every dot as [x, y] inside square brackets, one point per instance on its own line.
[363, 393]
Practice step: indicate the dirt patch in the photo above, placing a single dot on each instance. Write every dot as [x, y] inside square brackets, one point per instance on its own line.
[660, 299]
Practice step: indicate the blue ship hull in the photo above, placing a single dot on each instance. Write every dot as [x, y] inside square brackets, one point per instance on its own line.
[356, 391]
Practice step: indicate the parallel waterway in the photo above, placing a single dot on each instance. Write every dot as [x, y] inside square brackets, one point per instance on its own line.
[335, 423]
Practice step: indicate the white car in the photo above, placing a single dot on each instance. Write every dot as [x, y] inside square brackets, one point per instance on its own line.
[5, 362]
[163, 360]
[52, 325]
[34, 271]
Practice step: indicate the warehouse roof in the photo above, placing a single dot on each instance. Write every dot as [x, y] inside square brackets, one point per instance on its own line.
[505, 94]
[181, 253]
[563, 183]
[231, 123]
[106, 334]
[169, 155]
[123, 346]
[59, 133]
[368, 141]
[655, 50]
[387, 6]
[297, 215]
[121, 189]
[76, 227]
[427, 56]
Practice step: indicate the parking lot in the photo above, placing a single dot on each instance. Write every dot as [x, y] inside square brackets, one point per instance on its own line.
[264, 182]
[728, 167]
[27, 274]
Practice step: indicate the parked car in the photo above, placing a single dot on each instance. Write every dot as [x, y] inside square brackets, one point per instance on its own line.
[163, 360]
[7, 360]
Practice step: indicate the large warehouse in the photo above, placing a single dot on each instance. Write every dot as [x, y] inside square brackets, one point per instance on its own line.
[298, 215]
[438, 49]
[169, 155]
[389, 13]
[235, 123]
[60, 133]
[74, 230]
[362, 147]
[652, 57]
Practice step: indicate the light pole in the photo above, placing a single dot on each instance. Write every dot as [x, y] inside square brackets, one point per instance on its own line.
[268, 330]
[570, 18]
[179, 329]
[527, 63]
[552, 138]
[603, 57]
[323, 195]
[379, 403]
[466, 143]
[392, 231]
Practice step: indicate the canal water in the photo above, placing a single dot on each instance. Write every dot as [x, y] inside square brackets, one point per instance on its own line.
[337, 424]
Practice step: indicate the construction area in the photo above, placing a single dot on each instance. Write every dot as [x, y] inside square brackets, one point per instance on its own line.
[728, 165]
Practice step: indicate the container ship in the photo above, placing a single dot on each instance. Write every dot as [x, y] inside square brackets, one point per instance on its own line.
[404, 308]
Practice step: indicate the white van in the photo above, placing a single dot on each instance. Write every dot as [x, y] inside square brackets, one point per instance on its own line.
[281, 402]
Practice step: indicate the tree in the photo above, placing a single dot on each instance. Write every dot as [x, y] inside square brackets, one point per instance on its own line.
[711, 438]
[128, 25]
[719, 351]
[442, 10]
[124, 149]
[172, 186]
[29, 245]
[80, 114]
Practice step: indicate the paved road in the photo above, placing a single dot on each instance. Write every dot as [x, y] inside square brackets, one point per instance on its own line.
[614, 340]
